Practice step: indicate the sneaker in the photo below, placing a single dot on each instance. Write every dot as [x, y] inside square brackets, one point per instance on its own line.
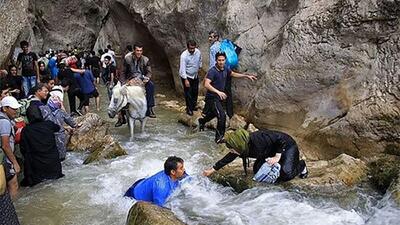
[220, 140]
[304, 173]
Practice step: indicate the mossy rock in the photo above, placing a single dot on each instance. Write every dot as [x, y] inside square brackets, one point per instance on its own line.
[144, 213]
[384, 171]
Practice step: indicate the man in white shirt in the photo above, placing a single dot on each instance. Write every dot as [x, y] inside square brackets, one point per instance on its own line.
[102, 58]
[190, 64]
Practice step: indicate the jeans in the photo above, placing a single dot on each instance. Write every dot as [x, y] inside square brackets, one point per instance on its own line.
[28, 82]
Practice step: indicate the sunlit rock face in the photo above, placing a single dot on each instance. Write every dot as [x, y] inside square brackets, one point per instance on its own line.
[328, 71]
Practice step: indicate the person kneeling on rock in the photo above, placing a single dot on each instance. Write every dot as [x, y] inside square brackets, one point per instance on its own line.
[278, 150]
[157, 188]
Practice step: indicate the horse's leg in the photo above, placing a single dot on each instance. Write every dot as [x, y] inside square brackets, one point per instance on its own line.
[143, 123]
[131, 127]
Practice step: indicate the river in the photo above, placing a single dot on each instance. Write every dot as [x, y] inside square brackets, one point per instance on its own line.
[92, 194]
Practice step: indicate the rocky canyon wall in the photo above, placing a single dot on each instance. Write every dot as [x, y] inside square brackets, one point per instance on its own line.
[328, 70]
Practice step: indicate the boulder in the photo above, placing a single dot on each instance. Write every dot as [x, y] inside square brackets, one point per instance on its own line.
[92, 136]
[332, 176]
[13, 17]
[237, 122]
[172, 104]
[343, 172]
[144, 213]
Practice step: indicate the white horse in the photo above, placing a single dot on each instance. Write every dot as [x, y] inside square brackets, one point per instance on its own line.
[136, 97]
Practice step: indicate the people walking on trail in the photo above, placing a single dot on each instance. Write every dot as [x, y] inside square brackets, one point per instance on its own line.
[190, 64]
[157, 188]
[215, 85]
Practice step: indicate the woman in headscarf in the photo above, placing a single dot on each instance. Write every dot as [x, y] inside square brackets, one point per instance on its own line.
[55, 114]
[265, 146]
[39, 148]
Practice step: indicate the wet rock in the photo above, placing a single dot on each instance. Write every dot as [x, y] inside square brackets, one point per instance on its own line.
[324, 176]
[384, 171]
[394, 190]
[190, 121]
[144, 213]
[172, 104]
[237, 122]
[92, 136]
[160, 96]
[233, 176]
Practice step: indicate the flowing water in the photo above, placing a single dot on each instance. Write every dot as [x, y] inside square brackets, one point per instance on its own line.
[92, 194]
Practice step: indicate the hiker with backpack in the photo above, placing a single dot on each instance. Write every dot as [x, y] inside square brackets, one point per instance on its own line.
[9, 106]
[275, 152]
[232, 61]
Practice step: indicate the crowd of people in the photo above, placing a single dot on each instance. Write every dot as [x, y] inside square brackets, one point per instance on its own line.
[33, 116]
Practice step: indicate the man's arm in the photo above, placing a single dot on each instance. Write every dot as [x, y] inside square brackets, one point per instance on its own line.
[209, 87]
[77, 70]
[5, 145]
[228, 158]
[241, 75]
[37, 71]
[148, 69]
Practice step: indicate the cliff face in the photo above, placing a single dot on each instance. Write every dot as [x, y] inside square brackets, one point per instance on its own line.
[328, 70]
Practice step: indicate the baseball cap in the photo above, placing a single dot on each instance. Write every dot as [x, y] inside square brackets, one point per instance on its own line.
[10, 102]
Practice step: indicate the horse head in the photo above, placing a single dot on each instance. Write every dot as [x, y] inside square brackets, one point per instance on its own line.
[118, 100]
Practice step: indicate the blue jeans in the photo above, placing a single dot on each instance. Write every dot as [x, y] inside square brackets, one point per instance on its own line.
[28, 82]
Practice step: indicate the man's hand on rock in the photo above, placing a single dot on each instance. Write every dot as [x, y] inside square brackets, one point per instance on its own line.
[251, 77]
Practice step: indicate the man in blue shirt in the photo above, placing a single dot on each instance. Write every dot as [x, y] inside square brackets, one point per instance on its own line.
[86, 83]
[215, 85]
[157, 188]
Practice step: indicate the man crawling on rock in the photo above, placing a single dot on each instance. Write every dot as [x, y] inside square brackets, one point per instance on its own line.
[276, 154]
[157, 188]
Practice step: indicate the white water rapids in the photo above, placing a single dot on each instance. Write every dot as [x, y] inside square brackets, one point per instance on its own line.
[93, 194]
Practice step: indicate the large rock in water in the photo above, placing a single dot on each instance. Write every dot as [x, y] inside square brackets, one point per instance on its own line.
[326, 177]
[144, 213]
[93, 136]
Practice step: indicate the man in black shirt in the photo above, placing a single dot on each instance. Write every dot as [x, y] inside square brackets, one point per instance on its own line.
[30, 70]
[95, 65]
[215, 85]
